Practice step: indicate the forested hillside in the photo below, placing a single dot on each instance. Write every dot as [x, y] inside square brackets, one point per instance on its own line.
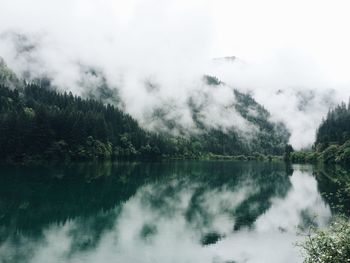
[336, 127]
[332, 139]
[264, 136]
[41, 123]
[37, 122]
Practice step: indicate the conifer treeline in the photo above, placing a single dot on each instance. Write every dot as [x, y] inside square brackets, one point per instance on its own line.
[336, 127]
[37, 123]
[332, 140]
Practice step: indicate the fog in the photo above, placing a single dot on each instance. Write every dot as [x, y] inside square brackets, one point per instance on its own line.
[292, 56]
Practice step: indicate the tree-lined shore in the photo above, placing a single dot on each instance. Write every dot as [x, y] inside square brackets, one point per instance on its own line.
[332, 145]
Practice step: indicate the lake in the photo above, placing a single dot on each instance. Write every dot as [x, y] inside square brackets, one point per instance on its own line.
[184, 211]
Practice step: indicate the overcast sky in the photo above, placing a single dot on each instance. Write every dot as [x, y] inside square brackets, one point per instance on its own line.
[292, 46]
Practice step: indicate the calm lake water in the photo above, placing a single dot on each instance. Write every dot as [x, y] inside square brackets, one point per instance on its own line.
[198, 211]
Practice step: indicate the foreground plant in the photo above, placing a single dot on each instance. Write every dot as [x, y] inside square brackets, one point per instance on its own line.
[330, 245]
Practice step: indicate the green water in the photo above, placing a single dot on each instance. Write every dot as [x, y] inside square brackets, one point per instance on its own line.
[159, 212]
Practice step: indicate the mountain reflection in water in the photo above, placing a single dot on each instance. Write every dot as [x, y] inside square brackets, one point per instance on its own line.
[157, 212]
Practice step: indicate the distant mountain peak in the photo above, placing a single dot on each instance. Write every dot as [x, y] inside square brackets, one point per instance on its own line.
[226, 58]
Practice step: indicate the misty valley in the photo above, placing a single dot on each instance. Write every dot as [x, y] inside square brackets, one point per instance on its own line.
[195, 169]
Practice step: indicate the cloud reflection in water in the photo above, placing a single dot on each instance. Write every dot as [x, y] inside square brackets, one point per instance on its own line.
[252, 220]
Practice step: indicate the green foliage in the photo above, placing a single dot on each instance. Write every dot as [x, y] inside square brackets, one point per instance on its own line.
[288, 150]
[297, 157]
[29, 112]
[267, 138]
[7, 76]
[343, 153]
[36, 122]
[272, 137]
[329, 154]
[211, 80]
[311, 157]
[335, 128]
[39, 123]
[332, 140]
[334, 154]
[304, 157]
[331, 245]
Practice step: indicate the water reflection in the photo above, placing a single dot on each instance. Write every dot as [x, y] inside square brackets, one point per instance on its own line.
[157, 212]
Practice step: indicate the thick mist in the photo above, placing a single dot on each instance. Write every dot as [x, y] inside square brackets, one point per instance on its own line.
[153, 54]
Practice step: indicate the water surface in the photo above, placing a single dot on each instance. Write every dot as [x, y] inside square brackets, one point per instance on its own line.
[159, 212]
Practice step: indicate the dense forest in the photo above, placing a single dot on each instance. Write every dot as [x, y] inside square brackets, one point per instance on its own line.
[332, 139]
[335, 129]
[37, 122]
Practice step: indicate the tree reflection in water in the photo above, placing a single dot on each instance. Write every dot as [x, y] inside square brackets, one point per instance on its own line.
[157, 212]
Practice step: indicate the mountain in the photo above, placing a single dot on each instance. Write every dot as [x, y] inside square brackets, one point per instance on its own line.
[227, 126]
[251, 130]
[38, 122]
